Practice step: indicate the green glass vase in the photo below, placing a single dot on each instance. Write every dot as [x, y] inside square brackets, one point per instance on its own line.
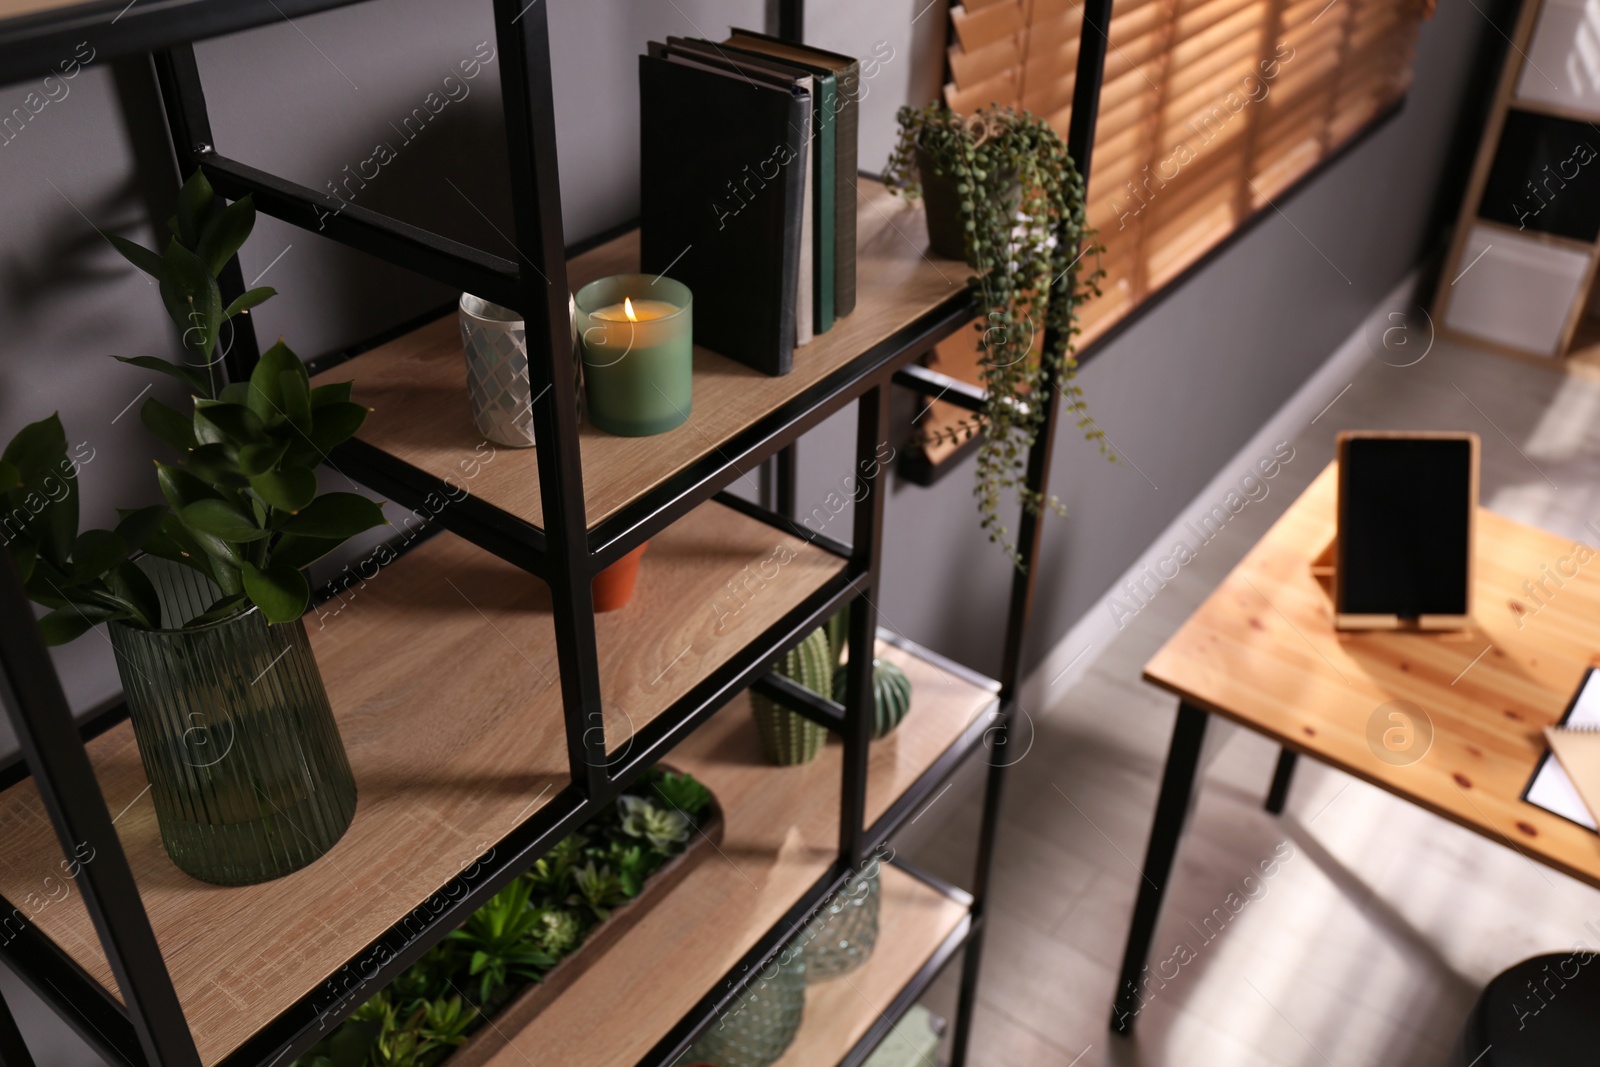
[842, 935]
[758, 1028]
[248, 775]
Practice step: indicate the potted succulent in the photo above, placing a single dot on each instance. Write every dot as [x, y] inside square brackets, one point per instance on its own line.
[1021, 229]
[203, 594]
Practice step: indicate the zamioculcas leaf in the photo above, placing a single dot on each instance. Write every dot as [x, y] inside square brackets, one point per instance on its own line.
[259, 459]
[218, 518]
[94, 553]
[129, 583]
[248, 300]
[10, 477]
[24, 556]
[335, 516]
[333, 424]
[296, 393]
[216, 422]
[196, 382]
[49, 491]
[221, 237]
[299, 551]
[195, 203]
[266, 381]
[182, 488]
[282, 593]
[135, 527]
[332, 393]
[235, 393]
[37, 449]
[168, 424]
[138, 255]
[222, 609]
[65, 624]
[219, 465]
[227, 576]
[290, 489]
[192, 298]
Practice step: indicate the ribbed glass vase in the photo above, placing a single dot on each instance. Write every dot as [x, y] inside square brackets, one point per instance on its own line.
[249, 777]
[758, 1028]
[842, 935]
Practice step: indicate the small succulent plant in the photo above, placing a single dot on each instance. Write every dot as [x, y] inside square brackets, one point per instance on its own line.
[523, 931]
[662, 827]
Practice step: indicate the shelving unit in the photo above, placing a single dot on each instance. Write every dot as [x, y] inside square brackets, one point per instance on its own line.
[1515, 280]
[487, 710]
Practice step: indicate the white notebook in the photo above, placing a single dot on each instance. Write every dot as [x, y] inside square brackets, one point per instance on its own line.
[1551, 789]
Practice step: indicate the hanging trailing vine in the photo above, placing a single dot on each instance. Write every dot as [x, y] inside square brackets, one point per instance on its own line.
[1022, 215]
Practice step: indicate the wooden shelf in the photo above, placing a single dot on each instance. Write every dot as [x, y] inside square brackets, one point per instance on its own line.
[914, 921]
[781, 834]
[441, 670]
[416, 384]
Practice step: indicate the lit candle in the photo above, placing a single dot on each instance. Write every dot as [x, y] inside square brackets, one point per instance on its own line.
[636, 331]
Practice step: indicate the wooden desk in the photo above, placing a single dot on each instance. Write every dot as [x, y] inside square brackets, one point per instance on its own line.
[1262, 652]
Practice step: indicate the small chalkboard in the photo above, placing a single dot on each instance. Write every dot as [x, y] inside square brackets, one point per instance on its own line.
[1407, 506]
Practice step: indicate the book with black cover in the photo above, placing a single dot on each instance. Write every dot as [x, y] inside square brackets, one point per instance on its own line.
[846, 157]
[823, 230]
[720, 196]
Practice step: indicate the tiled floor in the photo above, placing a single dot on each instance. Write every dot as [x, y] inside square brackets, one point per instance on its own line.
[1370, 943]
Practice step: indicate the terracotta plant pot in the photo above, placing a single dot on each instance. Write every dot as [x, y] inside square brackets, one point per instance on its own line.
[613, 587]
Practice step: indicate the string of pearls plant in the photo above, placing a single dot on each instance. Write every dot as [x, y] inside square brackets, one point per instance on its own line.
[1022, 216]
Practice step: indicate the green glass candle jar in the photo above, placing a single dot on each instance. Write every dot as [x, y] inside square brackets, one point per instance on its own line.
[636, 333]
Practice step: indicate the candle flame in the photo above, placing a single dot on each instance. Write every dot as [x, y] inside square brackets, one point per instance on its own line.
[627, 308]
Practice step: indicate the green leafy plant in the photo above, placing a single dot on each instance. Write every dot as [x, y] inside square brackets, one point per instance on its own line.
[682, 793]
[84, 578]
[1022, 215]
[598, 888]
[514, 939]
[503, 938]
[204, 235]
[242, 506]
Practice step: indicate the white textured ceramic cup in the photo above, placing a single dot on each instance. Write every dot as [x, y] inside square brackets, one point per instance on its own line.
[496, 345]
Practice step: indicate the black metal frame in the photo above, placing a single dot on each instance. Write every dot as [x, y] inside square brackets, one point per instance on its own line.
[564, 552]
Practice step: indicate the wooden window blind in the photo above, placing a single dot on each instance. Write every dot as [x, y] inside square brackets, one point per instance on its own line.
[1208, 109]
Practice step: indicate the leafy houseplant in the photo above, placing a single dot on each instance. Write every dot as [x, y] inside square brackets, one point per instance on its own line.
[1022, 230]
[521, 934]
[204, 593]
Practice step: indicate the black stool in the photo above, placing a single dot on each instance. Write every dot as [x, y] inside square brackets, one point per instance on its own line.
[1544, 1012]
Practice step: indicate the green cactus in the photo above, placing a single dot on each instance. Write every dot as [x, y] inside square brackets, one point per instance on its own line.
[891, 695]
[787, 737]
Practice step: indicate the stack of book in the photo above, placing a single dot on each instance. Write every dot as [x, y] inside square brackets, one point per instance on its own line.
[748, 188]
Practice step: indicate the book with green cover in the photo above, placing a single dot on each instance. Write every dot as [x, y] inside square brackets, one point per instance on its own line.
[846, 110]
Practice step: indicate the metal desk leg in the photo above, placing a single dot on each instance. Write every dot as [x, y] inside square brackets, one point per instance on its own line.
[13, 1053]
[1281, 778]
[1177, 787]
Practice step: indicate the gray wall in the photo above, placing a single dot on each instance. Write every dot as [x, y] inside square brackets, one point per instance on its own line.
[1184, 388]
[312, 100]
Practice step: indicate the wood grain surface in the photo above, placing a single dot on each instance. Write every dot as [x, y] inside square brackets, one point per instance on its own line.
[780, 835]
[416, 385]
[1262, 651]
[441, 671]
